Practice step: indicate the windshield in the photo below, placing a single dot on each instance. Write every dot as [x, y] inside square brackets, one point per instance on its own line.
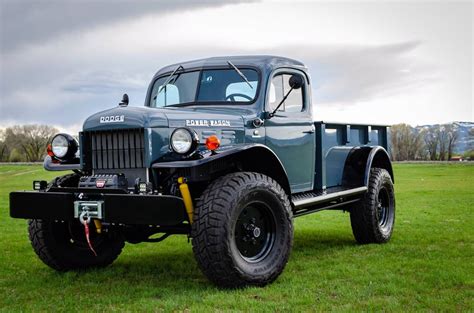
[221, 85]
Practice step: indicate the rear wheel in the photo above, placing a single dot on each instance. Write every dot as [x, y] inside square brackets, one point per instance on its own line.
[373, 218]
[242, 230]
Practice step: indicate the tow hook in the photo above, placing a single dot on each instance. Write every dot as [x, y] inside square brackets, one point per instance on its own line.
[93, 211]
[188, 202]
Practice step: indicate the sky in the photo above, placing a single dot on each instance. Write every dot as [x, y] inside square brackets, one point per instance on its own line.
[380, 62]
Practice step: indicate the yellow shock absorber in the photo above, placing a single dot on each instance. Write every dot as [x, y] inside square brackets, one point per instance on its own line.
[188, 202]
[98, 226]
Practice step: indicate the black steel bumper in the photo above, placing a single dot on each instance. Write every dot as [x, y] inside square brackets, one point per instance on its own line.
[117, 208]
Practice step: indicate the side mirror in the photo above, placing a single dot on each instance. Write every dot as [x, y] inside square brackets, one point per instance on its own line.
[296, 81]
[124, 101]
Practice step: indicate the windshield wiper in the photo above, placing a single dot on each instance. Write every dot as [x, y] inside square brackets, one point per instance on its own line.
[169, 79]
[240, 74]
[184, 104]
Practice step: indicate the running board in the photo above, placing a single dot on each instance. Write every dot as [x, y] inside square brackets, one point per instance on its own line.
[331, 206]
[316, 199]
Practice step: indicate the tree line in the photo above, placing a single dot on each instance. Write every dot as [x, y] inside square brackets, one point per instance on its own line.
[435, 143]
[25, 143]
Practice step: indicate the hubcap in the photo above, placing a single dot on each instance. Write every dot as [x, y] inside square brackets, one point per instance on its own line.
[255, 231]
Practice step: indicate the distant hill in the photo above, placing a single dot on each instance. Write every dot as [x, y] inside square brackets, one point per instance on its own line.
[465, 130]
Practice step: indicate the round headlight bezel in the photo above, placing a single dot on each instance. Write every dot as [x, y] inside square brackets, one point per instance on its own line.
[69, 144]
[193, 137]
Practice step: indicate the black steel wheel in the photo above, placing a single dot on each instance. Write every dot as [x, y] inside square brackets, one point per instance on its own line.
[373, 218]
[383, 207]
[243, 230]
[255, 231]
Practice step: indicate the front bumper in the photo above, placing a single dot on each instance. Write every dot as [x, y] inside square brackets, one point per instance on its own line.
[117, 208]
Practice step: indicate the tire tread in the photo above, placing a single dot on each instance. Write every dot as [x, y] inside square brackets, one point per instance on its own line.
[364, 225]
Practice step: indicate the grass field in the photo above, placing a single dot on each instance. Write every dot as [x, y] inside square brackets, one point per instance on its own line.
[428, 264]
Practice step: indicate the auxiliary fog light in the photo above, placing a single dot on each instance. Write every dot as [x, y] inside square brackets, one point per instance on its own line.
[142, 187]
[39, 184]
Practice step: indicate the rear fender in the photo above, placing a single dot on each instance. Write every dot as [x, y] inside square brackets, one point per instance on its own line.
[360, 161]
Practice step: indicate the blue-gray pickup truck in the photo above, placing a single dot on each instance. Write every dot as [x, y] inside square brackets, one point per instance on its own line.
[225, 151]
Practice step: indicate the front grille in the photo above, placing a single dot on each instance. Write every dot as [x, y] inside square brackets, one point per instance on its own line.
[115, 149]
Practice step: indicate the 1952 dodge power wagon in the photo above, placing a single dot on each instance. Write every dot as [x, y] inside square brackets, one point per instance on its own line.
[226, 152]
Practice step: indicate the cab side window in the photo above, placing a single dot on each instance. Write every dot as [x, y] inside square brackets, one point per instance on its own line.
[278, 89]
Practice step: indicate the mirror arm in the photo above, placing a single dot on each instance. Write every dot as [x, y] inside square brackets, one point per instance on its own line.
[270, 115]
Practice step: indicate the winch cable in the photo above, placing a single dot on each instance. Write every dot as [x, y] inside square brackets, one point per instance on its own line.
[85, 220]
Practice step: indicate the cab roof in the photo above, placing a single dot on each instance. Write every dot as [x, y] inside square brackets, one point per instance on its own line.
[263, 62]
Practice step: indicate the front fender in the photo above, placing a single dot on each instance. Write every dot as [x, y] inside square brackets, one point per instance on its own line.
[210, 157]
[251, 157]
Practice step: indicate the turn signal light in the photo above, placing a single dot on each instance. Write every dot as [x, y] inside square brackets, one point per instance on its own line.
[212, 142]
[49, 149]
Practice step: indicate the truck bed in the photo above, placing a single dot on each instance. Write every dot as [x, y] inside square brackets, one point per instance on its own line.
[334, 141]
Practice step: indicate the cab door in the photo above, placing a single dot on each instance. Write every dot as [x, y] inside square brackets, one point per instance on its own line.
[290, 133]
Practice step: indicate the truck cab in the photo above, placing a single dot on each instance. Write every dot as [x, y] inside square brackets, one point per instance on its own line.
[225, 150]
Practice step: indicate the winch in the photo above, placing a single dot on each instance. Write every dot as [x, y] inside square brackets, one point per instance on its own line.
[115, 181]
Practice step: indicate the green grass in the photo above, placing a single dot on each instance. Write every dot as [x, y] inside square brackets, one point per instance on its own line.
[428, 264]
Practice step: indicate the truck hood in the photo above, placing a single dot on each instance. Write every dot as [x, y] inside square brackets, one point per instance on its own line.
[144, 117]
[126, 117]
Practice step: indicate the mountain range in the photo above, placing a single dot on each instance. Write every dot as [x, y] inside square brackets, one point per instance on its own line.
[465, 141]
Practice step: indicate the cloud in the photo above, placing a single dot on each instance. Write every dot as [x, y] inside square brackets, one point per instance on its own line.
[348, 74]
[341, 76]
[102, 82]
[25, 23]
[63, 72]
[62, 61]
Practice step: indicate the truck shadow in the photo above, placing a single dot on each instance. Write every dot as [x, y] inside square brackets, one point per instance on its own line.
[178, 268]
[315, 242]
[167, 274]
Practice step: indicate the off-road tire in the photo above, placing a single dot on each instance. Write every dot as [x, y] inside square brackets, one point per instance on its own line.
[56, 247]
[62, 245]
[368, 224]
[215, 230]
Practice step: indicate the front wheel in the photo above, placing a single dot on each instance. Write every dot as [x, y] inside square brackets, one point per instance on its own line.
[62, 245]
[372, 219]
[242, 230]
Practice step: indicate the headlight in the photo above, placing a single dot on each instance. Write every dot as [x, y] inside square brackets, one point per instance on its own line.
[184, 140]
[64, 146]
